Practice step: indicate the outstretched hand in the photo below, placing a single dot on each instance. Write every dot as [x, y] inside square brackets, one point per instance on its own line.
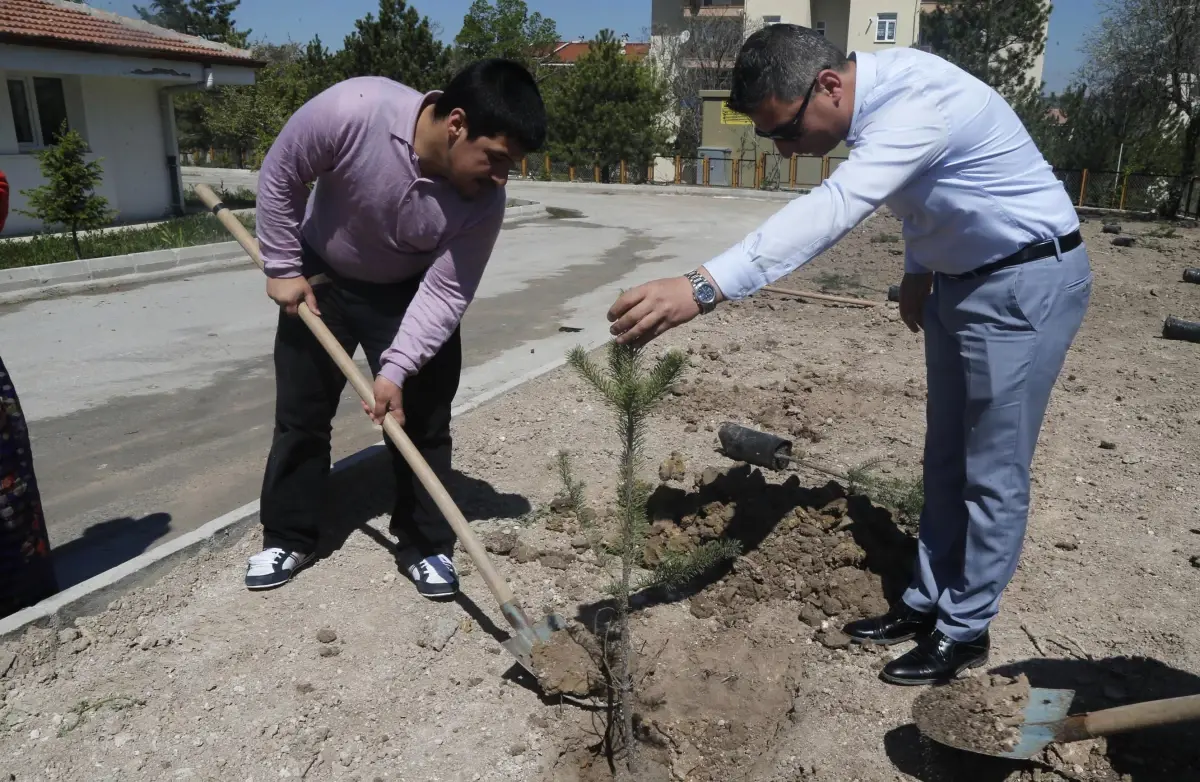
[652, 309]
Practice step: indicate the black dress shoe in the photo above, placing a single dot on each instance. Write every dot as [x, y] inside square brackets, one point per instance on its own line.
[900, 624]
[937, 658]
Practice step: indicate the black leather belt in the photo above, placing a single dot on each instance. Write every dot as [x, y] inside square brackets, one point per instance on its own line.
[1032, 252]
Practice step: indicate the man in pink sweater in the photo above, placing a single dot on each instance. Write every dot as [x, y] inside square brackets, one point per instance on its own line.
[408, 202]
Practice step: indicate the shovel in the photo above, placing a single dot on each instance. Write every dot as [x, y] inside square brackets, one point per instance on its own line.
[525, 633]
[761, 449]
[1046, 721]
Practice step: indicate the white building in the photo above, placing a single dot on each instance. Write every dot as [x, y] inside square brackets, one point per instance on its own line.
[111, 78]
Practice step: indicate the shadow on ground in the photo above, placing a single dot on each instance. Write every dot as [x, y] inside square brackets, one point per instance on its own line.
[758, 507]
[105, 545]
[1164, 754]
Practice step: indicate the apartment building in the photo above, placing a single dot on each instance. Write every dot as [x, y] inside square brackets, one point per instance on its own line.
[855, 25]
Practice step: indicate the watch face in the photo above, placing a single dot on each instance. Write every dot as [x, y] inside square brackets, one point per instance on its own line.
[706, 293]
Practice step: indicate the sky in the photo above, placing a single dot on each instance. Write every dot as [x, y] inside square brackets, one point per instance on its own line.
[299, 20]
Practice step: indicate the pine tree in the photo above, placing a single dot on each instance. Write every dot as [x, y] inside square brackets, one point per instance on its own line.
[608, 109]
[632, 393]
[208, 19]
[505, 29]
[400, 45]
[997, 41]
[69, 196]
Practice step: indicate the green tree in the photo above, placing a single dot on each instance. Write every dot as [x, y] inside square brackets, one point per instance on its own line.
[607, 109]
[505, 29]
[400, 45]
[69, 196]
[997, 41]
[208, 19]
[632, 393]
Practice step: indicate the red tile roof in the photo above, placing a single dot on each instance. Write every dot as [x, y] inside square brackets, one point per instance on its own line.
[567, 52]
[58, 24]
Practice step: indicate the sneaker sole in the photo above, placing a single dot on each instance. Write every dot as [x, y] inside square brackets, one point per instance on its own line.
[449, 592]
[935, 680]
[277, 584]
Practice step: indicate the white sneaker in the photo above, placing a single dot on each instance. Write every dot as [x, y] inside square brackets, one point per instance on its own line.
[274, 567]
[434, 576]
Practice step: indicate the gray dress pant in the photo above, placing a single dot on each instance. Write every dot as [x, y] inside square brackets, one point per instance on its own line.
[994, 347]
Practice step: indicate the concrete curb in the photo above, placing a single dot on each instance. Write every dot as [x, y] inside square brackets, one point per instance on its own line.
[94, 595]
[516, 185]
[52, 280]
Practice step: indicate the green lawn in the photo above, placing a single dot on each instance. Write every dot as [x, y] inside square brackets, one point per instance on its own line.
[181, 232]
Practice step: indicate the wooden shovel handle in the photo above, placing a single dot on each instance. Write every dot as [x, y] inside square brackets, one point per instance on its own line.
[500, 589]
[821, 297]
[1132, 717]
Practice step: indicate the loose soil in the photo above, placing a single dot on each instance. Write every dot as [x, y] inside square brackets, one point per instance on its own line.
[981, 714]
[347, 674]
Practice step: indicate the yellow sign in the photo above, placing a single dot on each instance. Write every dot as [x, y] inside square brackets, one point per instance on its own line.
[731, 117]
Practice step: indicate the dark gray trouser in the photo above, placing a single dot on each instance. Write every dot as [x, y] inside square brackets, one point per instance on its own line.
[994, 347]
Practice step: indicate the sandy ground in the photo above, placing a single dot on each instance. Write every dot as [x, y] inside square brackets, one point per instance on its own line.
[195, 678]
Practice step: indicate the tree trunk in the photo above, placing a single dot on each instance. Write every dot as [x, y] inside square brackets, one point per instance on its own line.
[75, 242]
[628, 545]
[1187, 166]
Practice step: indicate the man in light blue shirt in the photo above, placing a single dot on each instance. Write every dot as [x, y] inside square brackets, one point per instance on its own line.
[995, 273]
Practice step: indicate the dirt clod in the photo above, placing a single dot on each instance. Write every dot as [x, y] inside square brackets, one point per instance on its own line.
[980, 714]
[564, 667]
[673, 469]
[326, 636]
[329, 651]
[500, 543]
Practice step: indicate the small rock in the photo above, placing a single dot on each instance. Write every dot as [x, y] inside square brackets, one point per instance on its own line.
[524, 553]
[1111, 228]
[1067, 545]
[558, 560]
[501, 543]
[68, 635]
[691, 429]
[708, 477]
[326, 636]
[1123, 241]
[329, 651]
[833, 638]
[439, 633]
[580, 542]
[1130, 459]
[475, 681]
[1195, 560]
[304, 688]
[1108, 445]
[517, 749]
[538, 721]
[811, 615]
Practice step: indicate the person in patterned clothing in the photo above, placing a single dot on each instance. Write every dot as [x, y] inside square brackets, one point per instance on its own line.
[26, 566]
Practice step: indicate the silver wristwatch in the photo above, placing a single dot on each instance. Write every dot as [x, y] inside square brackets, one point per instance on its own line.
[702, 291]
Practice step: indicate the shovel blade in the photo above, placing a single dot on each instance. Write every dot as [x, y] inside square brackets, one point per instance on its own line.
[520, 645]
[1044, 715]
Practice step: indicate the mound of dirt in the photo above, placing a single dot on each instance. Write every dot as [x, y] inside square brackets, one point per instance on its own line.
[839, 554]
[979, 714]
[564, 667]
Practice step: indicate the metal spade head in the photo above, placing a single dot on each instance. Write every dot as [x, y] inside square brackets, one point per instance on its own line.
[520, 645]
[1044, 716]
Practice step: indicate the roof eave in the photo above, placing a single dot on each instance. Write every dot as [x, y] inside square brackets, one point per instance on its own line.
[50, 42]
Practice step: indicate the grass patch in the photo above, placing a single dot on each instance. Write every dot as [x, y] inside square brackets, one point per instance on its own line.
[189, 231]
[242, 198]
[1162, 232]
[885, 239]
[832, 281]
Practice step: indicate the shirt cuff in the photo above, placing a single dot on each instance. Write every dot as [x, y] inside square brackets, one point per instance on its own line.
[397, 371]
[283, 269]
[735, 274]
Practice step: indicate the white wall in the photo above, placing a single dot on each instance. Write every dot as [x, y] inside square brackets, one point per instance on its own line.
[789, 11]
[861, 35]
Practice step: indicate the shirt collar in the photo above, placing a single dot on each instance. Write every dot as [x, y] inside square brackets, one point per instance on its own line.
[865, 75]
[406, 130]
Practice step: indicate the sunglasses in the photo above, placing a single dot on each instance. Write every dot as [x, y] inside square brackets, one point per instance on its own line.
[790, 130]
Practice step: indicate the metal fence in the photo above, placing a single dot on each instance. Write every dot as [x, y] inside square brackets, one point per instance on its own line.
[1134, 192]
[766, 172]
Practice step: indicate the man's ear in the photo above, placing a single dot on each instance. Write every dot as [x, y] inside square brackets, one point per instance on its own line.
[456, 125]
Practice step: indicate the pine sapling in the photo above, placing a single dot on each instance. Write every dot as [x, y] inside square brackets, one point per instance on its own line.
[632, 393]
[69, 196]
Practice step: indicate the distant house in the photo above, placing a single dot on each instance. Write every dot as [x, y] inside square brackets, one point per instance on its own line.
[111, 78]
[567, 53]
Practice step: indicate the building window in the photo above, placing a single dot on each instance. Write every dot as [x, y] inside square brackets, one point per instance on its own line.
[820, 28]
[39, 107]
[772, 20]
[885, 28]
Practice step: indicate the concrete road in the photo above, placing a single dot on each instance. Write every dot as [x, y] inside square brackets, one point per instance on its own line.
[151, 406]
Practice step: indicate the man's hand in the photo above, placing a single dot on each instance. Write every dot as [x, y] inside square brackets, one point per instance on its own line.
[649, 310]
[914, 290]
[388, 397]
[288, 292]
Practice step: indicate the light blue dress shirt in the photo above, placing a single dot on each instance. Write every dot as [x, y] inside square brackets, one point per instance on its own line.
[943, 151]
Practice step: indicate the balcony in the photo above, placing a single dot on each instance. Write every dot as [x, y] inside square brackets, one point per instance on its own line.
[714, 8]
